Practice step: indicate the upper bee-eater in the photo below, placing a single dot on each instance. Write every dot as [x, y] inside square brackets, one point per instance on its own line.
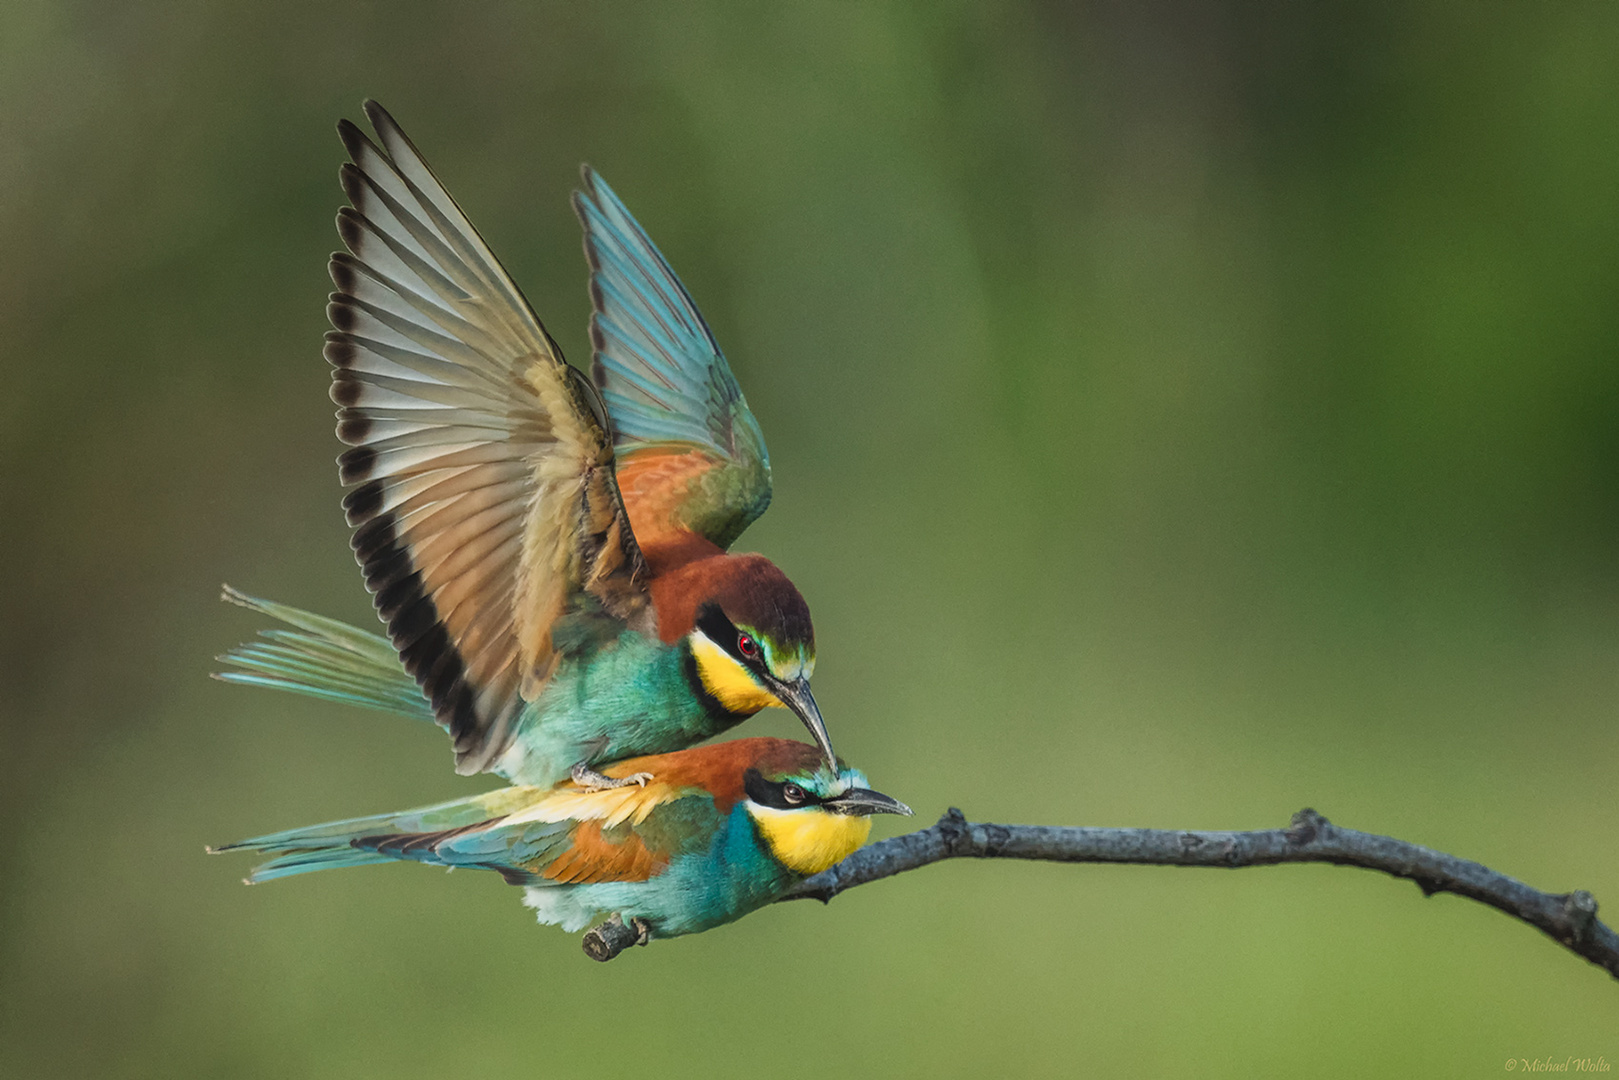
[720, 831]
[549, 555]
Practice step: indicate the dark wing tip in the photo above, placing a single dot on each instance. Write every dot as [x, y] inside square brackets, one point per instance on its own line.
[344, 271]
[355, 141]
[345, 389]
[351, 228]
[380, 118]
[354, 466]
[353, 429]
[362, 504]
[412, 622]
[399, 145]
[580, 202]
[415, 627]
[340, 313]
[598, 339]
[353, 182]
[371, 537]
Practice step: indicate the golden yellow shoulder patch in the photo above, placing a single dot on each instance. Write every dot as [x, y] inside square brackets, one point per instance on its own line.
[612, 806]
[810, 840]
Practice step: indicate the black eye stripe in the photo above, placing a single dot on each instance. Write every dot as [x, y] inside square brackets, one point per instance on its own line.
[773, 794]
[713, 623]
[723, 632]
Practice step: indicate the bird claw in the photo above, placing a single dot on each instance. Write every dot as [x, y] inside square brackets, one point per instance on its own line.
[591, 780]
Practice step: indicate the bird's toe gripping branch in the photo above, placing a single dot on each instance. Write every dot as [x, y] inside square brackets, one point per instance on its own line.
[613, 936]
[590, 780]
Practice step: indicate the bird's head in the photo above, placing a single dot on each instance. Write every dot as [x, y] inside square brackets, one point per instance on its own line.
[811, 816]
[755, 646]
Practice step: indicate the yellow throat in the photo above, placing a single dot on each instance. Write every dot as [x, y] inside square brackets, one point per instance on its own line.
[727, 680]
[810, 840]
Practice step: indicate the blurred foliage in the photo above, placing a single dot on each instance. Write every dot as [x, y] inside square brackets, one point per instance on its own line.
[1182, 413]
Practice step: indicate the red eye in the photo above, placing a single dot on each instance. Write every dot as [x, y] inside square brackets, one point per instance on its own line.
[747, 646]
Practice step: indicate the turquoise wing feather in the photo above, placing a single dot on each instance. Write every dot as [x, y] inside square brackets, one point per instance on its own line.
[690, 453]
[323, 658]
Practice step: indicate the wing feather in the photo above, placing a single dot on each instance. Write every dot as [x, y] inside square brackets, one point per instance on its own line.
[691, 458]
[568, 836]
[484, 498]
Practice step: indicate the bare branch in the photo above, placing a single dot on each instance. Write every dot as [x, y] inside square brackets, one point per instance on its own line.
[612, 937]
[1568, 918]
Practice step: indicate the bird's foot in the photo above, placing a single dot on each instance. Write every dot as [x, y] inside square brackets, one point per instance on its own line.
[591, 780]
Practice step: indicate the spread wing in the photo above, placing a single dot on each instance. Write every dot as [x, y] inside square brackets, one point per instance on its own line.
[485, 501]
[691, 458]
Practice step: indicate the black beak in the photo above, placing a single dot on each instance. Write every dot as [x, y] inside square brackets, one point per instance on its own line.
[864, 801]
[797, 697]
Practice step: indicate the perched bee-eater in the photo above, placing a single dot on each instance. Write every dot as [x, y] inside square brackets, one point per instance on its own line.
[549, 555]
[719, 831]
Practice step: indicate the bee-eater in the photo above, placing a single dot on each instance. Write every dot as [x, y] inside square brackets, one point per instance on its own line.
[549, 555]
[720, 831]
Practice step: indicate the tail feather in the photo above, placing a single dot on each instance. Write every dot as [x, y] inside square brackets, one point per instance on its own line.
[323, 658]
[334, 844]
[304, 862]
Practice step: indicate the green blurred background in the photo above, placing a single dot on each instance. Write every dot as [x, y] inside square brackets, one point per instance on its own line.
[1181, 414]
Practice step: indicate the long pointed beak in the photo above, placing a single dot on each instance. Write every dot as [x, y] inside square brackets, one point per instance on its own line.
[797, 697]
[864, 801]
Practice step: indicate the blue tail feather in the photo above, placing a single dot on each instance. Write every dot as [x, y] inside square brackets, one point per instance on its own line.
[325, 659]
[331, 845]
[304, 862]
